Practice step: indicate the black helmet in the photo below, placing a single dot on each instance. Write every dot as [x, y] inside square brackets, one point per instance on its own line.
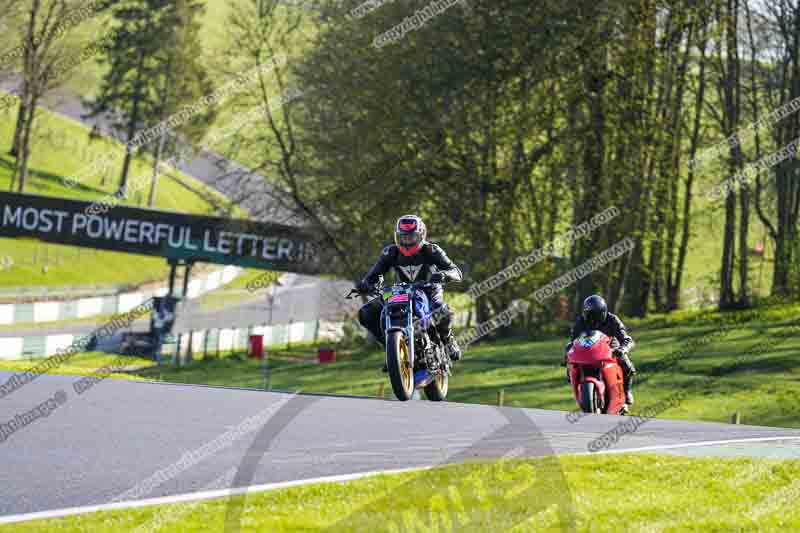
[409, 234]
[595, 310]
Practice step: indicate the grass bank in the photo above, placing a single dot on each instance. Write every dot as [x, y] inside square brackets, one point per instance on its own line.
[663, 493]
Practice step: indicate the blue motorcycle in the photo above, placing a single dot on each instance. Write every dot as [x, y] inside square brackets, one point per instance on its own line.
[415, 355]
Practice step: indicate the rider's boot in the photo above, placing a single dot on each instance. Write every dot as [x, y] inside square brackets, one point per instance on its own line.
[628, 370]
[451, 345]
[627, 384]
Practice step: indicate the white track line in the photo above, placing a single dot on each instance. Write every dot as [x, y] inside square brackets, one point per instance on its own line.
[222, 493]
[194, 496]
[698, 444]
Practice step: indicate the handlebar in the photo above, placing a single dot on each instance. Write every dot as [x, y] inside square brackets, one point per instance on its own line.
[354, 292]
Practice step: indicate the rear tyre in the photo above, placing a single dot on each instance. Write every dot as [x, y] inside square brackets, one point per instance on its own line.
[436, 390]
[588, 397]
[398, 362]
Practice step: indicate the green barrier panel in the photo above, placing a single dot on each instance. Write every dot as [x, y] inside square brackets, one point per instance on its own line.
[23, 313]
[33, 347]
[68, 310]
[280, 335]
[310, 332]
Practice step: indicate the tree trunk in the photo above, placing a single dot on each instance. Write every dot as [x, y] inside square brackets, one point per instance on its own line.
[726, 294]
[730, 91]
[783, 254]
[744, 226]
[26, 146]
[675, 292]
[132, 124]
[21, 112]
[156, 161]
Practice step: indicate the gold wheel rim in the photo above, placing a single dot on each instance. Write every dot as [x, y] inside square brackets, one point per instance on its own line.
[405, 365]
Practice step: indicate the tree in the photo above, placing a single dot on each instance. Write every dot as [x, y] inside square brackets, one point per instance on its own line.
[180, 78]
[130, 86]
[776, 67]
[467, 135]
[41, 70]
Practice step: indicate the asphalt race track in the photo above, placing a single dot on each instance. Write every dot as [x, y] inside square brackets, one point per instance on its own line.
[121, 441]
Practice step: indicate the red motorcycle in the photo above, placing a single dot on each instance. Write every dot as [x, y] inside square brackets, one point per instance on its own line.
[595, 374]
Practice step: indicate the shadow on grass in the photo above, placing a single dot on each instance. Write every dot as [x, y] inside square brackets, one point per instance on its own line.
[47, 181]
[778, 364]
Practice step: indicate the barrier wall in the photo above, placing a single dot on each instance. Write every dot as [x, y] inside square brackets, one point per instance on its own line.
[118, 303]
[205, 341]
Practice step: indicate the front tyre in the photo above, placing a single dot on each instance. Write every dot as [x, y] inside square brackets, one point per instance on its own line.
[588, 397]
[398, 362]
[436, 390]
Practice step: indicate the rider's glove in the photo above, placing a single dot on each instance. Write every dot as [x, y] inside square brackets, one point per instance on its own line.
[363, 286]
[618, 352]
[436, 277]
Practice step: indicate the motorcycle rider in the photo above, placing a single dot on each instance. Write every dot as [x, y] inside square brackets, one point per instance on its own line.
[413, 259]
[595, 316]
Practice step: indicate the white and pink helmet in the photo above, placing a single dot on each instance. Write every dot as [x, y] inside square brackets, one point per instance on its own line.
[409, 234]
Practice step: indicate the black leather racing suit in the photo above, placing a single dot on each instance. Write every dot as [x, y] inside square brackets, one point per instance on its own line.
[614, 328]
[418, 267]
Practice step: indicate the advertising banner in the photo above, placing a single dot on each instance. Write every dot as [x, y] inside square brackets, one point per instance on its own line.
[170, 235]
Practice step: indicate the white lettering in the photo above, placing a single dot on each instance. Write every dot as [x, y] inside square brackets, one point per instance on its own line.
[45, 223]
[146, 231]
[95, 227]
[30, 226]
[131, 231]
[114, 228]
[78, 222]
[206, 244]
[60, 215]
[188, 241]
[159, 228]
[172, 235]
[240, 241]
[13, 216]
[285, 248]
[223, 243]
[270, 248]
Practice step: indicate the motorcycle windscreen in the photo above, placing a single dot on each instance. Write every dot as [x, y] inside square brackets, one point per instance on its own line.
[591, 348]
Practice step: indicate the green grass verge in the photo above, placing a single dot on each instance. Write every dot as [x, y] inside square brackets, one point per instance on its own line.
[661, 493]
[85, 364]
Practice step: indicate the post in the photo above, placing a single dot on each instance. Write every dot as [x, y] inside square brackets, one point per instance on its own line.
[205, 345]
[265, 370]
[187, 272]
[177, 356]
[271, 299]
[173, 268]
[736, 418]
[381, 390]
[501, 397]
[190, 348]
